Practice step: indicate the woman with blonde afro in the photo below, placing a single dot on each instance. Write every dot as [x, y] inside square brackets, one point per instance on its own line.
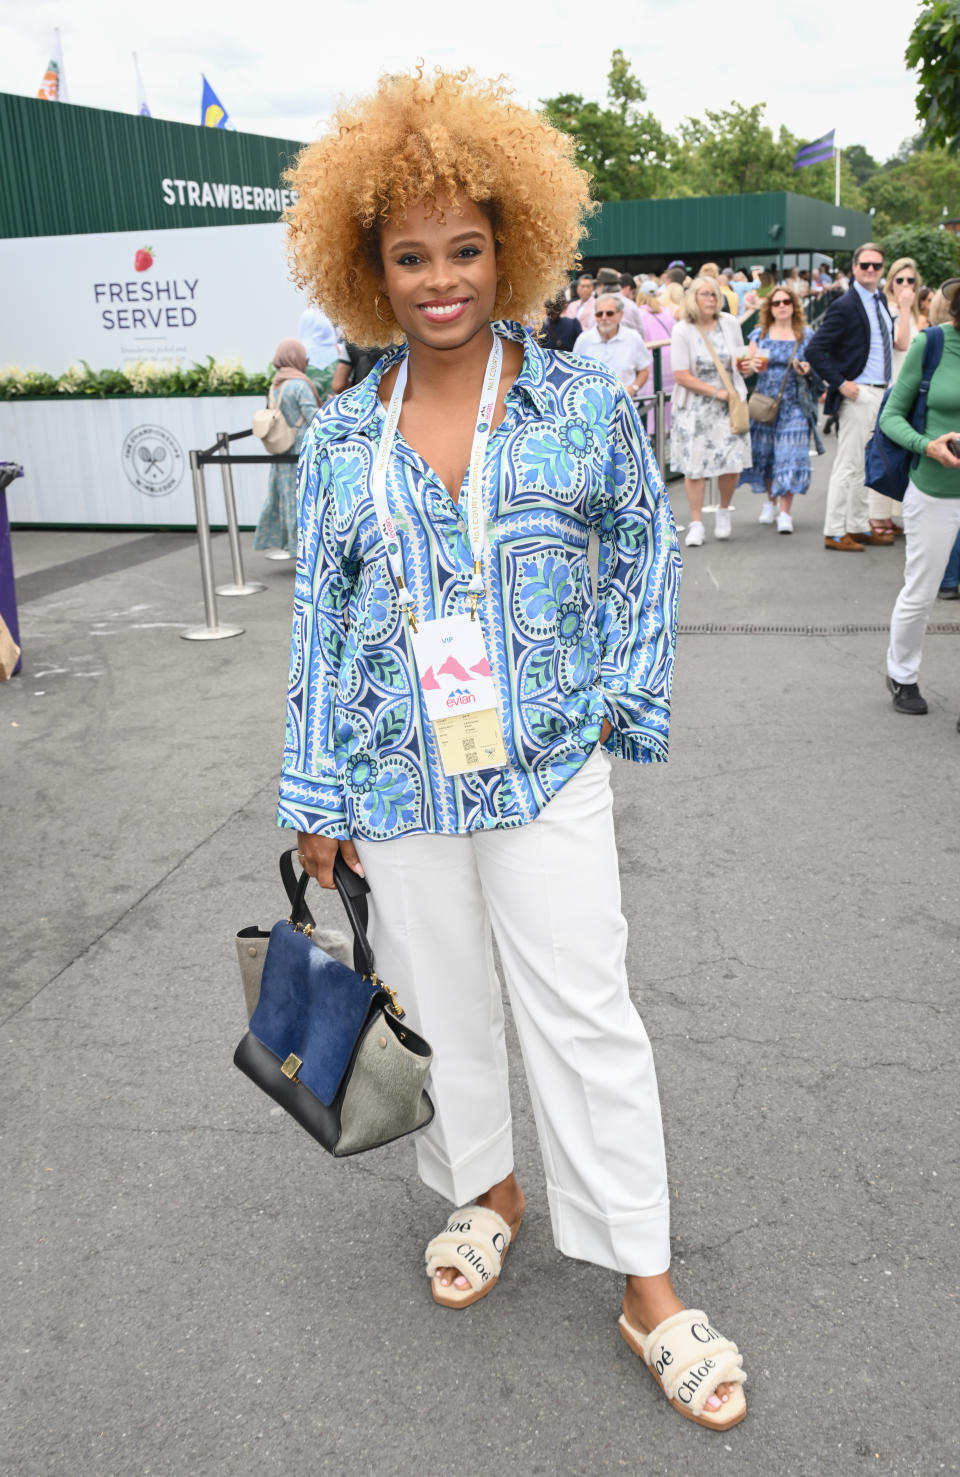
[458, 687]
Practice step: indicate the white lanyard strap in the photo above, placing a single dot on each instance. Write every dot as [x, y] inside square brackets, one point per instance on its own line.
[476, 523]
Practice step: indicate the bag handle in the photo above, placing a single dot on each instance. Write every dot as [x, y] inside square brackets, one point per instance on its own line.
[722, 372]
[783, 382]
[275, 405]
[353, 892]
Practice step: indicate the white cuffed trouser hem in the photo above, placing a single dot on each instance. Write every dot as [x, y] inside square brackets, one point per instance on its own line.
[636, 1243]
[461, 1183]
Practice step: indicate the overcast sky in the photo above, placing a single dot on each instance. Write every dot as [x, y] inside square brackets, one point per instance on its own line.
[279, 69]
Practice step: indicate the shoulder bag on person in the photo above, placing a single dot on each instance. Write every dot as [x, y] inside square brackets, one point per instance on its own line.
[739, 414]
[766, 408]
[271, 426]
[328, 1042]
[886, 464]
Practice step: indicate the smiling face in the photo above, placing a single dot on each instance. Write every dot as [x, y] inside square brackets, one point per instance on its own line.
[868, 269]
[440, 272]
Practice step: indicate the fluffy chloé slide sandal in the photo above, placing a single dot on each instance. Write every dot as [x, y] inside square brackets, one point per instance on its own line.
[689, 1359]
[474, 1242]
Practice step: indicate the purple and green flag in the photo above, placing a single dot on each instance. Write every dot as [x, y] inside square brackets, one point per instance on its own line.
[815, 153]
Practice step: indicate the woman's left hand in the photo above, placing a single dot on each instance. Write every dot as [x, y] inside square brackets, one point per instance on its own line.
[606, 729]
[802, 366]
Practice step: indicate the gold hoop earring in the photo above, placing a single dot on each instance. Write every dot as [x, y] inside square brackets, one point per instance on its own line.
[376, 309]
[509, 296]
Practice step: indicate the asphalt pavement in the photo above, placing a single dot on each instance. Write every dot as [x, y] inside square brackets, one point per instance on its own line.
[191, 1288]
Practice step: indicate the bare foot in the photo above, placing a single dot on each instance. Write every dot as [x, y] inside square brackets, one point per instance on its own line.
[647, 1301]
[506, 1198]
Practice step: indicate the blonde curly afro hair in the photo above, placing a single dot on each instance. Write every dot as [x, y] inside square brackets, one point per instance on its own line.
[427, 139]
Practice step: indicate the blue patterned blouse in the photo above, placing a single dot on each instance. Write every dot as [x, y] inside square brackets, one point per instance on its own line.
[570, 456]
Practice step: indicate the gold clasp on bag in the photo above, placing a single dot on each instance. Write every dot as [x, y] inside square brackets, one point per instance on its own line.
[379, 984]
[292, 1066]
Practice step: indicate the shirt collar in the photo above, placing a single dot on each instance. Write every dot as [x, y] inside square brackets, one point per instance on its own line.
[356, 408]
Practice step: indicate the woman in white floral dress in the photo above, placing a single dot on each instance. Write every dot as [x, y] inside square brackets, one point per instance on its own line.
[702, 444]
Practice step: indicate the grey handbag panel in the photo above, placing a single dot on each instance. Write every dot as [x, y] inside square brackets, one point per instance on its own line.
[384, 1097]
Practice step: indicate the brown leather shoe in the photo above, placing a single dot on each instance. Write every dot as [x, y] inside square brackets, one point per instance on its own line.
[873, 538]
[846, 545]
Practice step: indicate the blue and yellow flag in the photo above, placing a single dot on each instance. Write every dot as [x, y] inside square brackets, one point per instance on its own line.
[212, 112]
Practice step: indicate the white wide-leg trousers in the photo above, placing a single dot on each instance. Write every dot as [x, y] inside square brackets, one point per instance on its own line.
[930, 525]
[550, 893]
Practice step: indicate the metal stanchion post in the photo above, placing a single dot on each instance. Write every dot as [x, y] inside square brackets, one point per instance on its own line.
[239, 586]
[212, 631]
[659, 427]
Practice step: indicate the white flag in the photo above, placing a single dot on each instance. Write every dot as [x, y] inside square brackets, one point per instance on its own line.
[54, 84]
[143, 108]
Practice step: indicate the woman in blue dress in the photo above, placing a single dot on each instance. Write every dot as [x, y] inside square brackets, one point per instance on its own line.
[295, 396]
[781, 448]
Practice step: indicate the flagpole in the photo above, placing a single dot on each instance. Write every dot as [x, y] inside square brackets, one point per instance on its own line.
[836, 186]
[62, 95]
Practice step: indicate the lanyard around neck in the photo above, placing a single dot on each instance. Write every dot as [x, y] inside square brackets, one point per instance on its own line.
[476, 523]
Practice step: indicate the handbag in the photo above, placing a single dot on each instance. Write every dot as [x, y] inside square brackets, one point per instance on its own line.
[252, 942]
[739, 414]
[765, 408]
[273, 429]
[886, 464]
[326, 1042]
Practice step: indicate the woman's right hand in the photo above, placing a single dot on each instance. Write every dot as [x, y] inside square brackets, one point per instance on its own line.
[938, 451]
[317, 855]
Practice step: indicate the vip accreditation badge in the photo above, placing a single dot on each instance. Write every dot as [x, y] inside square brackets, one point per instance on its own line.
[459, 693]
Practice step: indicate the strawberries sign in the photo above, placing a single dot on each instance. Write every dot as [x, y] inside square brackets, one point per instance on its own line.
[143, 260]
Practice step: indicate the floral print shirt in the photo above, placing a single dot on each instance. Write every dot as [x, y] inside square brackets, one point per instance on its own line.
[570, 457]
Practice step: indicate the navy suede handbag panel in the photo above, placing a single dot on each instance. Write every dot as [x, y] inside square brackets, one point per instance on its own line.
[312, 1005]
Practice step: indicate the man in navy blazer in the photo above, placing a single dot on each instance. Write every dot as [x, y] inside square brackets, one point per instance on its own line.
[853, 351]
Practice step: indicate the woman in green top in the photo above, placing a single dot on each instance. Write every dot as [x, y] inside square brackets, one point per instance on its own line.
[931, 507]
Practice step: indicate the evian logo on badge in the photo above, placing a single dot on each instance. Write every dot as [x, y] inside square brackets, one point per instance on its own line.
[153, 460]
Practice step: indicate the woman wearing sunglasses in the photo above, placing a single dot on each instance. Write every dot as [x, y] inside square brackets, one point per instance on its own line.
[931, 506]
[781, 448]
[902, 291]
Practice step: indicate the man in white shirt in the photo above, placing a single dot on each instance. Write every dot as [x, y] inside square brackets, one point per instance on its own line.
[621, 349]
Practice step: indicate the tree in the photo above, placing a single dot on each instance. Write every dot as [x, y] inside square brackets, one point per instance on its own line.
[934, 51]
[936, 253]
[916, 192]
[862, 164]
[624, 149]
[733, 152]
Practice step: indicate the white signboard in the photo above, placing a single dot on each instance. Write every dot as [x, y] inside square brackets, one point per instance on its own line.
[169, 297]
[126, 461]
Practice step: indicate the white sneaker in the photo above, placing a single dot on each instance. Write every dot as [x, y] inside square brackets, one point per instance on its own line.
[721, 527]
[768, 512]
[784, 523]
[694, 536]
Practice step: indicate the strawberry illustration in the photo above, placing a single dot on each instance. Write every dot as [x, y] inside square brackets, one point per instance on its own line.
[143, 260]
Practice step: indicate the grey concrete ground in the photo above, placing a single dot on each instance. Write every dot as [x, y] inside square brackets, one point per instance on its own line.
[191, 1287]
